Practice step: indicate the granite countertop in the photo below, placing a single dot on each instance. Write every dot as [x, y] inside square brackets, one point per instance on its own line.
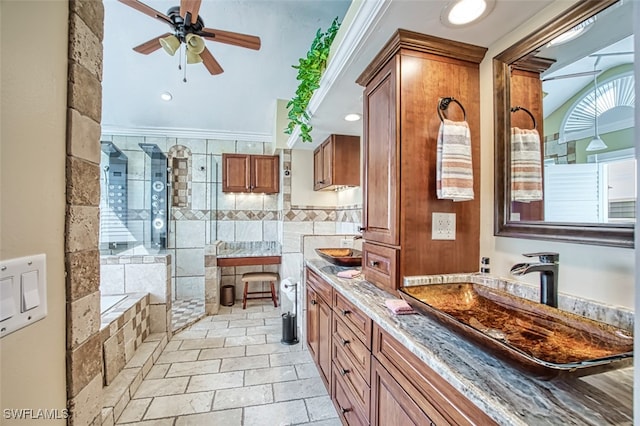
[507, 395]
[226, 249]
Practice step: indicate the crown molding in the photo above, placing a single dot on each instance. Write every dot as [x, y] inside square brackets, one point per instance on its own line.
[365, 17]
[187, 133]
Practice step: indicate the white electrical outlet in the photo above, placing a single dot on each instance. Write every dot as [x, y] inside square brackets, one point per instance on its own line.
[443, 226]
[346, 243]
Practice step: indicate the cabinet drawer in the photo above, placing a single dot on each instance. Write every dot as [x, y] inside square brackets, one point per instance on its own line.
[354, 318]
[352, 375]
[348, 410]
[380, 266]
[358, 354]
[323, 288]
[437, 398]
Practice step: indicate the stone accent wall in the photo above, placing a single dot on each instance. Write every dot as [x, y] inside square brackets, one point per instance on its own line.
[82, 260]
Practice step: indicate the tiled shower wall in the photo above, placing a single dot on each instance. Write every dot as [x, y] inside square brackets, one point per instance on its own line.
[205, 214]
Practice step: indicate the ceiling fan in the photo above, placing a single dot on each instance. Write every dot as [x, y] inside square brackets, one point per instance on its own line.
[188, 28]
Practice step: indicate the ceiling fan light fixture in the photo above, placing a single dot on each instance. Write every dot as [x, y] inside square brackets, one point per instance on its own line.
[193, 58]
[170, 44]
[195, 44]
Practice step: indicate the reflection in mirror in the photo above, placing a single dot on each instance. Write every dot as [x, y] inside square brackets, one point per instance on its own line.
[565, 166]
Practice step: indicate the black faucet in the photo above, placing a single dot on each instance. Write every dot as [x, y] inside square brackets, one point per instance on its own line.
[548, 268]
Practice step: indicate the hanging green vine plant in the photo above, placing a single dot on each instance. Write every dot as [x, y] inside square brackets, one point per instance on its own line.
[310, 69]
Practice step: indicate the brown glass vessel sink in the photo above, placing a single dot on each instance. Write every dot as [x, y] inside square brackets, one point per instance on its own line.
[341, 256]
[544, 341]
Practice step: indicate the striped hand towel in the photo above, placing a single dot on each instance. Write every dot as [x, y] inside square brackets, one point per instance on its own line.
[454, 171]
[526, 165]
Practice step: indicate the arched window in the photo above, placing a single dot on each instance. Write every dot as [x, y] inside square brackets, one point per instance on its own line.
[616, 100]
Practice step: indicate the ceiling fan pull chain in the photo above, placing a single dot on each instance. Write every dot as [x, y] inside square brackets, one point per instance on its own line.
[184, 78]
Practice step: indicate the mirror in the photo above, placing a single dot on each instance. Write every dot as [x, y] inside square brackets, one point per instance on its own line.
[564, 100]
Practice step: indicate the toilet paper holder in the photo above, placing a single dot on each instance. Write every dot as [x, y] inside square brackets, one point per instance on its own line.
[289, 321]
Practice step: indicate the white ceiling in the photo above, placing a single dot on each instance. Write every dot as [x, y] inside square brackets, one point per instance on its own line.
[242, 100]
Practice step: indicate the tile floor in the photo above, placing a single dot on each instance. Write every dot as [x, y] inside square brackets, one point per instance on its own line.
[185, 312]
[231, 369]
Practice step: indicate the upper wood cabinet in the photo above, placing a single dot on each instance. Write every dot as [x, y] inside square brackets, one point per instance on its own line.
[250, 173]
[403, 86]
[336, 162]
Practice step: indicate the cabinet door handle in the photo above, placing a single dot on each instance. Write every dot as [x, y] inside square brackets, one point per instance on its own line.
[344, 410]
[374, 263]
[345, 312]
[313, 302]
[361, 228]
[344, 342]
[344, 371]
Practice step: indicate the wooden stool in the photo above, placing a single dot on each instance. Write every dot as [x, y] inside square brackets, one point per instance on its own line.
[272, 277]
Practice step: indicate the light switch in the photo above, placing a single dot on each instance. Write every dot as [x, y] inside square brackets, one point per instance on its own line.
[30, 295]
[7, 301]
[23, 292]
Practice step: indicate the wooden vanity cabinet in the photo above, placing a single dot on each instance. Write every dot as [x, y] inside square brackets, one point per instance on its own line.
[336, 162]
[351, 392]
[403, 86]
[319, 316]
[251, 173]
[373, 378]
[404, 385]
[391, 404]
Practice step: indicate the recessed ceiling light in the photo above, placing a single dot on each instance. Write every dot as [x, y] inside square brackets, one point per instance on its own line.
[573, 32]
[352, 117]
[166, 96]
[463, 12]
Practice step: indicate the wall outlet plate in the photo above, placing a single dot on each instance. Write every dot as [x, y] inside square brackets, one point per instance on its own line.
[346, 243]
[443, 226]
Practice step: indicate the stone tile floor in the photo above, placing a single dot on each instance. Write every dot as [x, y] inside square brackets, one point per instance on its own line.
[231, 369]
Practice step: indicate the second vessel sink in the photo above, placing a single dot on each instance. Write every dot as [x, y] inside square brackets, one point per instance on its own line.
[542, 340]
[341, 256]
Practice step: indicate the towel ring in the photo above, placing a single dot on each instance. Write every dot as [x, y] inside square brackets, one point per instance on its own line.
[519, 108]
[443, 104]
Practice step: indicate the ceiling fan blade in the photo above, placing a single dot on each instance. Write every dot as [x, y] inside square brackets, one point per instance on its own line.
[228, 37]
[151, 45]
[577, 74]
[149, 11]
[191, 6]
[210, 62]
